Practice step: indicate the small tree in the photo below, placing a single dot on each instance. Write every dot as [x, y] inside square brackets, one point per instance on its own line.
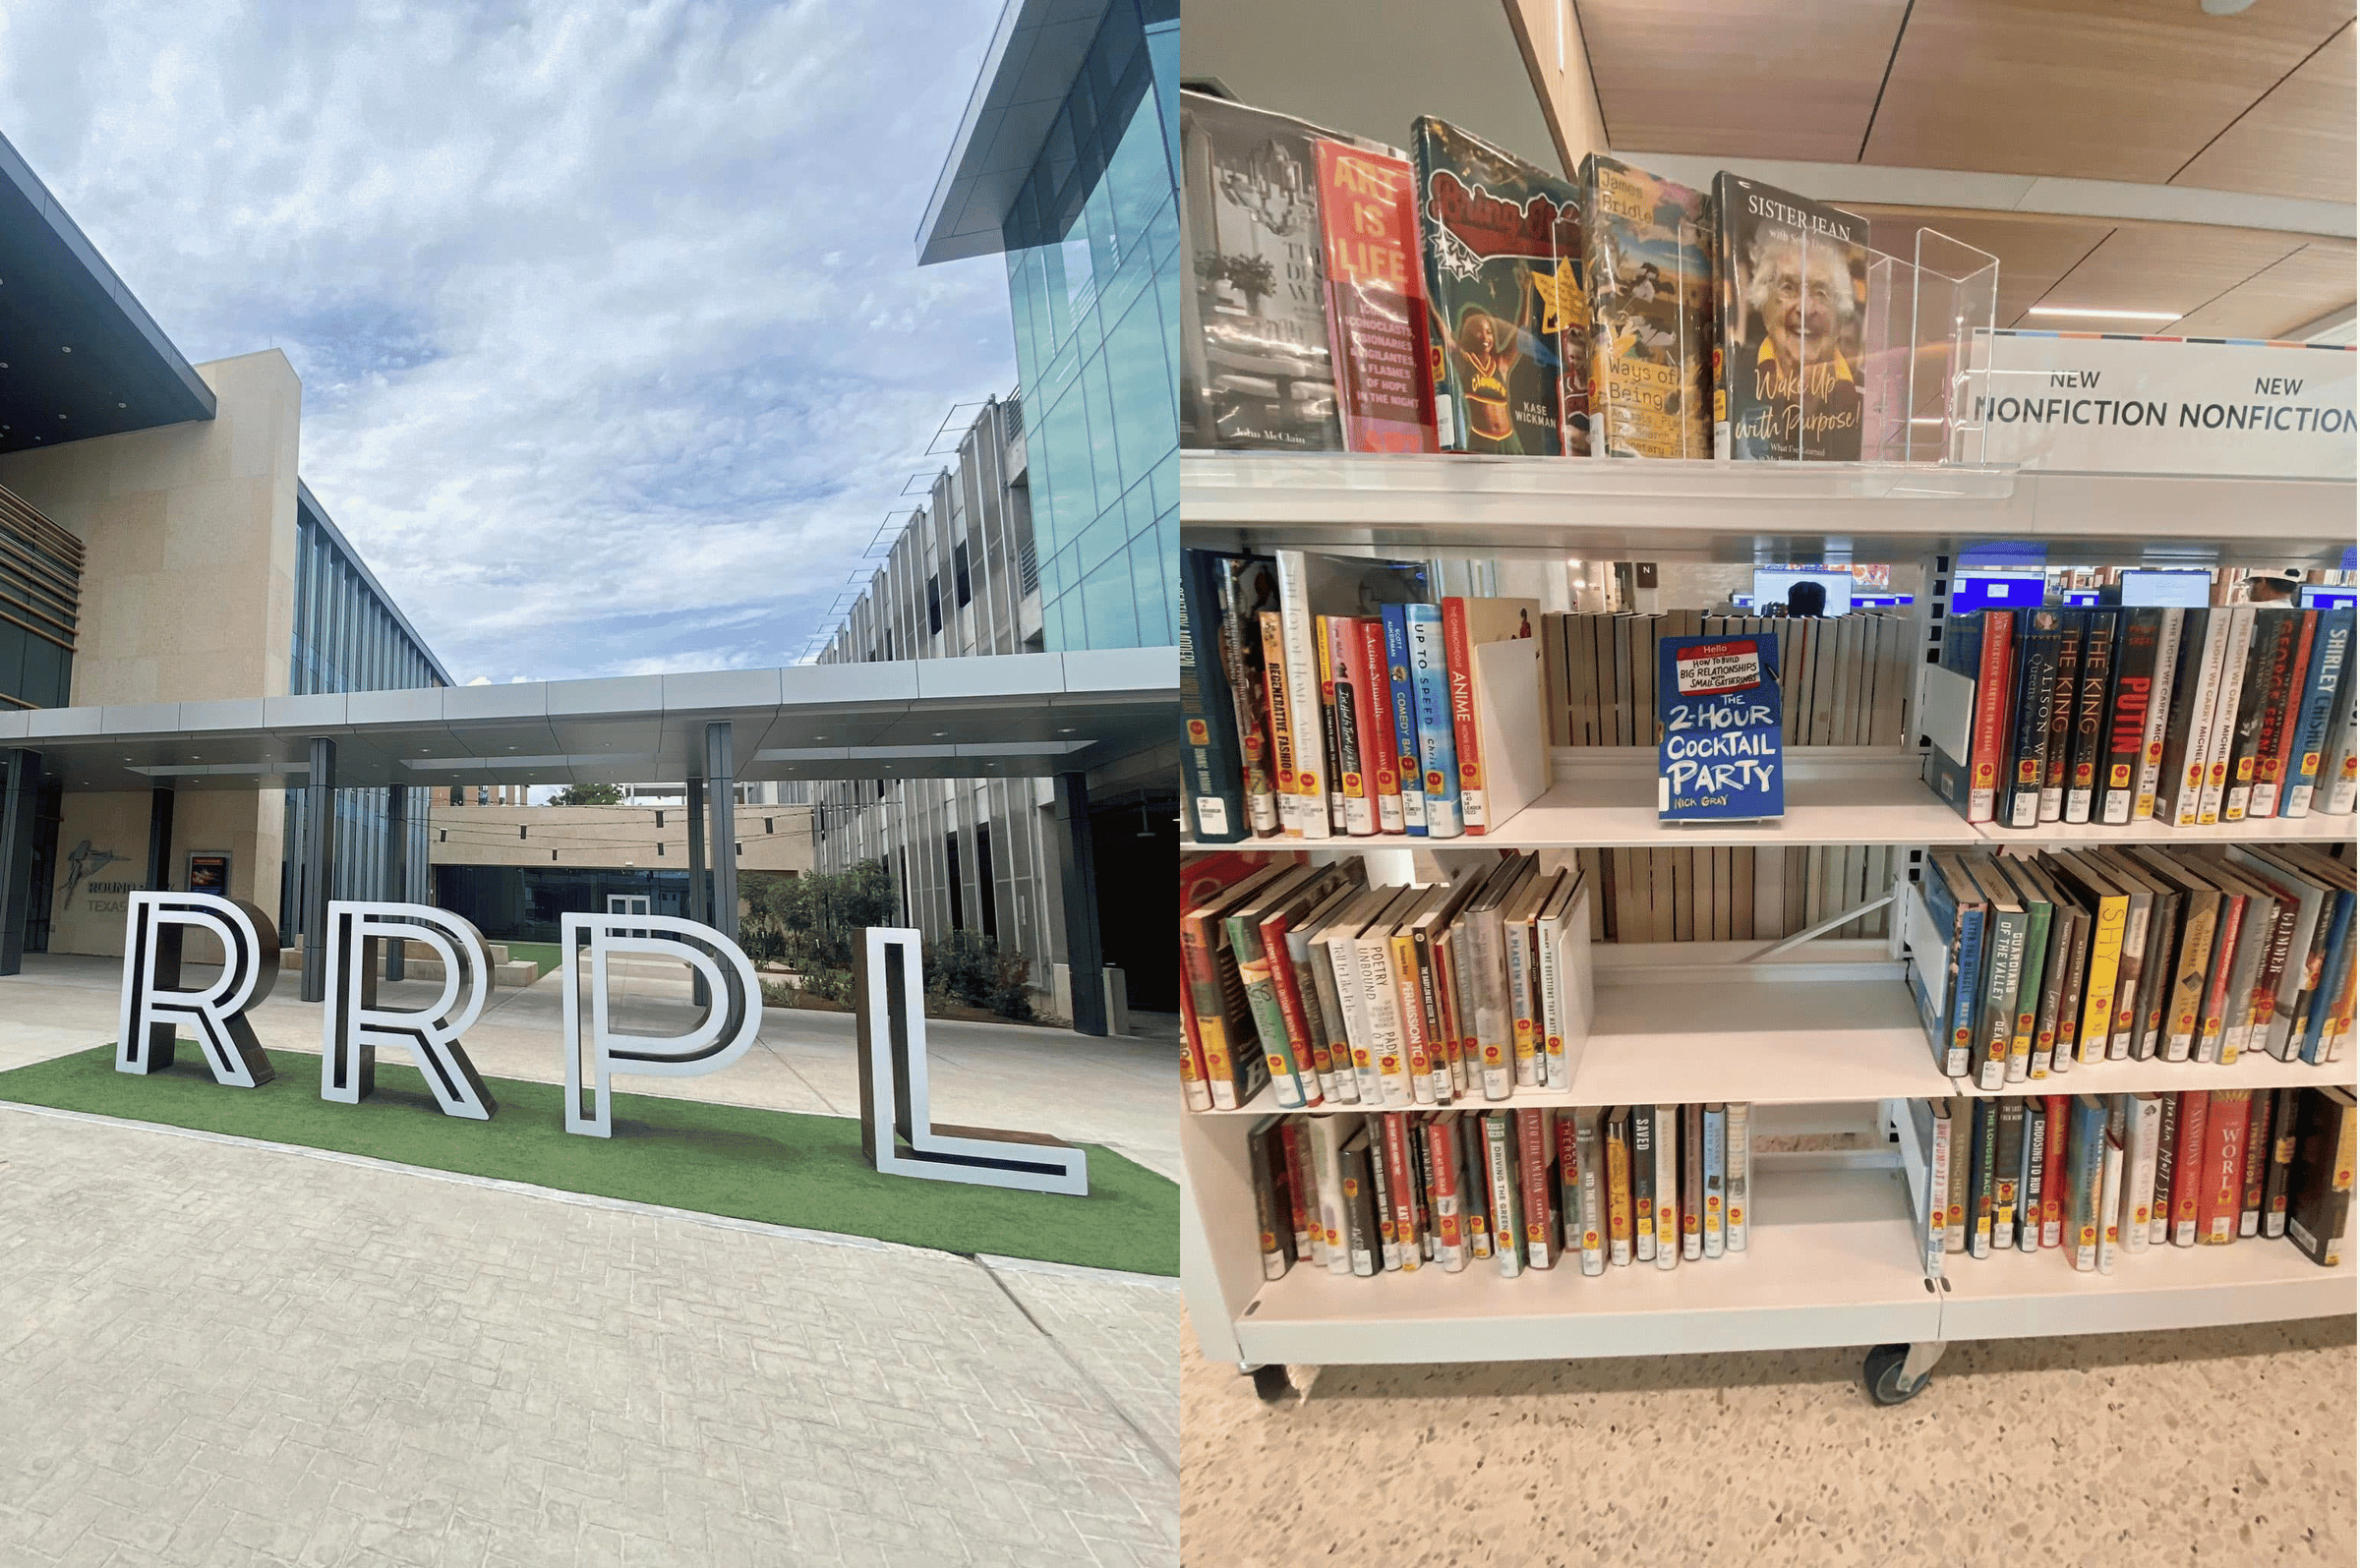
[592, 795]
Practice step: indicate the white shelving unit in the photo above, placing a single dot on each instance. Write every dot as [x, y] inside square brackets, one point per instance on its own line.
[1820, 1037]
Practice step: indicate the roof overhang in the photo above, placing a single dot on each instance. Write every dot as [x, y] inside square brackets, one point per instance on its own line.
[1036, 54]
[1011, 715]
[83, 357]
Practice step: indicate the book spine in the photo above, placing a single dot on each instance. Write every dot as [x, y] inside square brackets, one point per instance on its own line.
[2183, 782]
[1495, 1028]
[1402, 703]
[2143, 1128]
[1741, 1172]
[1211, 765]
[1982, 1183]
[1437, 744]
[1592, 1161]
[1304, 1047]
[1450, 1226]
[1241, 652]
[1937, 1189]
[1402, 1183]
[1373, 722]
[2056, 1116]
[1287, 778]
[1201, 965]
[1691, 1181]
[2281, 1161]
[1381, 1003]
[2269, 685]
[2086, 1173]
[2007, 1172]
[1439, 1040]
[1532, 1145]
[1988, 741]
[1507, 1225]
[2170, 629]
[1667, 1187]
[1306, 690]
[1409, 1002]
[2089, 747]
[2058, 753]
[2003, 977]
[1618, 1193]
[2105, 970]
[2035, 709]
[2168, 1158]
[2032, 1190]
[1311, 1238]
[2109, 1205]
[1474, 1166]
[1381, 1194]
[1517, 940]
[1277, 1227]
[1642, 1183]
[2188, 1166]
[1459, 656]
[1196, 1090]
[1347, 792]
[2274, 749]
[2220, 737]
[1715, 1179]
[2221, 1192]
[2126, 714]
[2256, 1163]
[2333, 647]
[1548, 1022]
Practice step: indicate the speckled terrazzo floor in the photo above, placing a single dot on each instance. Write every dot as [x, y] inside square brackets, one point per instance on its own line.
[2231, 1446]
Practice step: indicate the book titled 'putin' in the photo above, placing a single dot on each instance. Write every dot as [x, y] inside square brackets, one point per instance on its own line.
[1720, 759]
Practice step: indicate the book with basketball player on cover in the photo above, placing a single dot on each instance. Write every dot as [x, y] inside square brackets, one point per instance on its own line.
[1255, 365]
[1793, 291]
[1649, 270]
[1507, 317]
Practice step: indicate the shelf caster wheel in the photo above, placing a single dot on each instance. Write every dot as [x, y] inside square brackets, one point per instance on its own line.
[1271, 1384]
[1899, 1373]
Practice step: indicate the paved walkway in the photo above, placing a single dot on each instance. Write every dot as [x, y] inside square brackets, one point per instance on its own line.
[217, 1351]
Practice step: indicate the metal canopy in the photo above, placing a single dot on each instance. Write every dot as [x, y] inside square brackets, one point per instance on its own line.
[1020, 715]
[1035, 52]
[79, 356]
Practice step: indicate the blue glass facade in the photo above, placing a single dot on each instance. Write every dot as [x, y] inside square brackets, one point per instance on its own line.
[348, 637]
[1094, 279]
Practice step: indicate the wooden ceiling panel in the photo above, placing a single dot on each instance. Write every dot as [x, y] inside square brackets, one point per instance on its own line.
[2158, 266]
[2291, 293]
[2107, 89]
[2034, 251]
[2296, 141]
[1764, 79]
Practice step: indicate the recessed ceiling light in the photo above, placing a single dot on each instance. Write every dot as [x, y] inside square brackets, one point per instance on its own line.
[2113, 316]
[68, 349]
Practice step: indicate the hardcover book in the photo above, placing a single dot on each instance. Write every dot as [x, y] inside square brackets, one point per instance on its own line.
[1794, 277]
[1650, 276]
[1376, 298]
[1254, 368]
[1503, 259]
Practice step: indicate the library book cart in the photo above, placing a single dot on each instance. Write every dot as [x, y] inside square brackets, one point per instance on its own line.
[1819, 1034]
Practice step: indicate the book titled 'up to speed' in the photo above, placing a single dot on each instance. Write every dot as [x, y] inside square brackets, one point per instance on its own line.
[1720, 757]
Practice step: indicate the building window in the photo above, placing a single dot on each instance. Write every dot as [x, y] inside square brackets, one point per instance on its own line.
[770, 825]
[934, 605]
[990, 910]
[659, 822]
[958, 572]
[950, 857]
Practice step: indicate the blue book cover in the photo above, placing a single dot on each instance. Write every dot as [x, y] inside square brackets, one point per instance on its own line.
[2331, 978]
[2085, 1168]
[1962, 919]
[1401, 694]
[1721, 758]
[1215, 771]
[1438, 746]
[1715, 1179]
[2331, 650]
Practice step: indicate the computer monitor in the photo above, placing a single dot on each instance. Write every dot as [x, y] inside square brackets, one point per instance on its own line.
[1998, 590]
[2315, 595]
[1770, 585]
[2188, 590]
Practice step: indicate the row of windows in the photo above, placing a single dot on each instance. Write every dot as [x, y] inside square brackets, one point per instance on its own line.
[41, 606]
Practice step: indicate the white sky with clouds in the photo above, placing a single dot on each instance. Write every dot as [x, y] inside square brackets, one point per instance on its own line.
[614, 347]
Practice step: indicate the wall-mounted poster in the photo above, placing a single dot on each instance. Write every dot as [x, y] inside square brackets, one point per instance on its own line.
[209, 872]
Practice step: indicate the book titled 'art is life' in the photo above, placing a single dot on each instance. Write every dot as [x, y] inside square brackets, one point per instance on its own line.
[1720, 757]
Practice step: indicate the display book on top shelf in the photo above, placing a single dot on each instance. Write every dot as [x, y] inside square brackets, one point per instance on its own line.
[1819, 1037]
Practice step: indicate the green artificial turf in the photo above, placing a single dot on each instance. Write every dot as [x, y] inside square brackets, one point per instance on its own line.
[543, 953]
[753, 1164]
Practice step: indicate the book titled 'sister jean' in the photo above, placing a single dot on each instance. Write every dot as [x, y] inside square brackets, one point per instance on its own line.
[1720, 759]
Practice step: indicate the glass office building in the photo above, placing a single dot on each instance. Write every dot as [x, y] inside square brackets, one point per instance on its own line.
[349, 636]
[1093, 244]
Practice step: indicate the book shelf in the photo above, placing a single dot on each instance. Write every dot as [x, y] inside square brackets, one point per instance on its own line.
[1824, 1034]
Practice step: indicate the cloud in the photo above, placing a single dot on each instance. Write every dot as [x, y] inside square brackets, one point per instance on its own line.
[615, 353]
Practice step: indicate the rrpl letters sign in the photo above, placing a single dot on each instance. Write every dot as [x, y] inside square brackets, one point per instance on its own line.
[899, 1131]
